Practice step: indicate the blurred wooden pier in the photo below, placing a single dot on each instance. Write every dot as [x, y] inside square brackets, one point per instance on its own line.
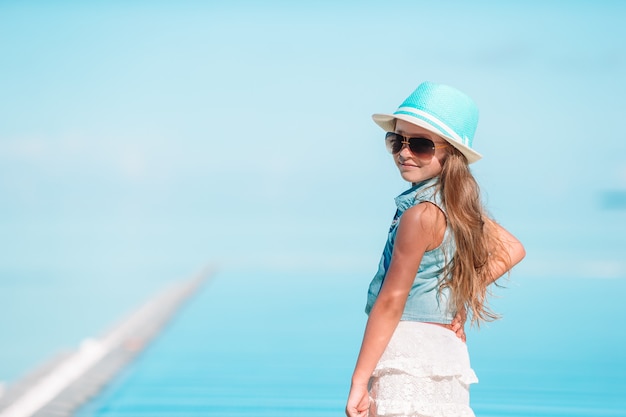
[61, 386]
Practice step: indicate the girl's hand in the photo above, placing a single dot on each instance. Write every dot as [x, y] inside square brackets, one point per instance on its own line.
[358, 401]
[457, 325]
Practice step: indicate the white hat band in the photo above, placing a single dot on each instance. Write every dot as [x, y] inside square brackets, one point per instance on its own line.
[434, 120]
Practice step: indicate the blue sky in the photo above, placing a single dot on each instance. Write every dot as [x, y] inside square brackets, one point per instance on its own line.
[140, 142]
[163, 115]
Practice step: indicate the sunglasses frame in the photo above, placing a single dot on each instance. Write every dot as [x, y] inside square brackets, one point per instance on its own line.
[421, 154]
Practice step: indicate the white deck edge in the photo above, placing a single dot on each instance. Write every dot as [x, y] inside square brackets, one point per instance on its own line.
[91, 351]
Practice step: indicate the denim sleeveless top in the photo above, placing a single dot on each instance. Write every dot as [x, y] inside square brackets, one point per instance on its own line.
[425, 302]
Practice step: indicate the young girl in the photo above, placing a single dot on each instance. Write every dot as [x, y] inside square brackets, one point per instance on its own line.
[442, 253]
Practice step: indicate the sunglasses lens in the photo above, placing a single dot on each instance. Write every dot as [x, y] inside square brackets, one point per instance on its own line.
[393, 142]
[422, 148]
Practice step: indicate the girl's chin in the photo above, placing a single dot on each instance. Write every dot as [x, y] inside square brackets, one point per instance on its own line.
[412, 178]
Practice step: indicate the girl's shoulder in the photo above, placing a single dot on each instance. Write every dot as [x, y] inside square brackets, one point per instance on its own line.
[423, 213]
[424, 221]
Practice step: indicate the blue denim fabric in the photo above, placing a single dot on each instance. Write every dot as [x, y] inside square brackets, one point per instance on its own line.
[425, 303]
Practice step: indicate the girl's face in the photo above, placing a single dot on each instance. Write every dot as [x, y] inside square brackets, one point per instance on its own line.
[413, 169]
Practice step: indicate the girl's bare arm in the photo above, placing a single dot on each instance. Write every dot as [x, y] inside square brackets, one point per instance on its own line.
[506, 256]
[415, 235]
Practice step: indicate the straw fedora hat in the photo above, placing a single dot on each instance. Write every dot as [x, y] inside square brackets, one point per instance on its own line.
[442, 110]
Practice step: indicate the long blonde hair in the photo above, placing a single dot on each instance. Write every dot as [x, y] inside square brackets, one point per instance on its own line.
[468, 273]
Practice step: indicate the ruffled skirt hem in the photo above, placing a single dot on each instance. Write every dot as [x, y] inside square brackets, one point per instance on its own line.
[424, 372]
[423, 410]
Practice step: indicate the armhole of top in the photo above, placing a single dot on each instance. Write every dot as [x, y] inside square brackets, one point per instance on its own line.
[445, 218]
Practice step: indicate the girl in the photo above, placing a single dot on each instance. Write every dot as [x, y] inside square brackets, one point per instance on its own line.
[442, 253]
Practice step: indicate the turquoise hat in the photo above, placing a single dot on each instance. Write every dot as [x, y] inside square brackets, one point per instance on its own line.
[442, 110]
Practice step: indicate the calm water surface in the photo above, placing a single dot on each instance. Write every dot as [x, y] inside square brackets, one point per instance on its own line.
[284, 345]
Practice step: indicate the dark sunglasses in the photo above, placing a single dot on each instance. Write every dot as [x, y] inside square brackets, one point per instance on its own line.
[422, 148]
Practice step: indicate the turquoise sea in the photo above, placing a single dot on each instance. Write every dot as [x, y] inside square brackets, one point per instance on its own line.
[284, 345]
[141, 142]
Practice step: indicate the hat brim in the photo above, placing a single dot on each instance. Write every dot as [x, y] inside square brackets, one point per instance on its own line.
[388, 123]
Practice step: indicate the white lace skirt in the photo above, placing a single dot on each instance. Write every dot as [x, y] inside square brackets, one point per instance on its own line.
[424, 372]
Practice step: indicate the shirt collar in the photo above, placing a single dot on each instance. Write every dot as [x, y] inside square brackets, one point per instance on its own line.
[407, 199]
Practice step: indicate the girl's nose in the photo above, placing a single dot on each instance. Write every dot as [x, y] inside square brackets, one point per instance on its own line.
[405, 152]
